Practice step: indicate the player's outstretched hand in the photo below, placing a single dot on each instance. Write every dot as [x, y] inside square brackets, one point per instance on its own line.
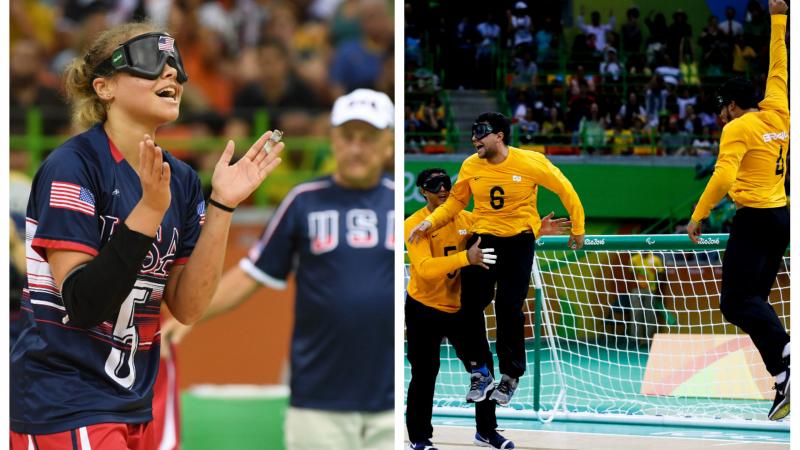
[695, 229]
[154, 174]
[481, 256]
[562, 225]
[777, 7]
[419, 232]
[172, 332]
[575, 241]
[231, 184]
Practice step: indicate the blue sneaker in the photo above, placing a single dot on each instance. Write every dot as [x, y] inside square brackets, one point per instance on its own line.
[479, 386]
[495, 441]
[422, 445]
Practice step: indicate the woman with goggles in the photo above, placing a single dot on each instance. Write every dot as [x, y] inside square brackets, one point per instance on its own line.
[113, 228]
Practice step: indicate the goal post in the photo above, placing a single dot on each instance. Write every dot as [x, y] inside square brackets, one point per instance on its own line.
[629, 329]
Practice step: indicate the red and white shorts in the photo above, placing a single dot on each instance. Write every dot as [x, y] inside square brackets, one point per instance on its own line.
[163, 433]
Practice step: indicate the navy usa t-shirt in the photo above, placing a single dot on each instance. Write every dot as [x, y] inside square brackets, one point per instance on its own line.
[340, 244]
[64, 377]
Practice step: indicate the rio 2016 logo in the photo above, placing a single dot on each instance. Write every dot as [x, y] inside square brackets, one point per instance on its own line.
[591, 241]
[708, 241]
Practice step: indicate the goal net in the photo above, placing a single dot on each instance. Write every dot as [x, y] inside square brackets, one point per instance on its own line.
[629, 328]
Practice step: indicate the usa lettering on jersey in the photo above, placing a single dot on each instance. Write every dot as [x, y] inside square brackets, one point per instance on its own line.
[323, 231]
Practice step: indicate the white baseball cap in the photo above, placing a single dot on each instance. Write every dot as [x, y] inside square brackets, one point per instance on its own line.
[373, 107]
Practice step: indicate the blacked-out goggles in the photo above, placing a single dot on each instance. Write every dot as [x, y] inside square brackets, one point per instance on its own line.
[434, 183]
[481, 130]
[144, 56]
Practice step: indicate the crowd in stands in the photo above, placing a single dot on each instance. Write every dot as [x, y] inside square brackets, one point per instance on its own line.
[590, 84]
[243, 57]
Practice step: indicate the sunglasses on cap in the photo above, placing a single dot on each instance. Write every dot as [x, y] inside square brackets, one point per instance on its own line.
[435, 182]
[144, 56]
[481, 130]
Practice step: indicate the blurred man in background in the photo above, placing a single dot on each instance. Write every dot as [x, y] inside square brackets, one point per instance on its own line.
[337, 235]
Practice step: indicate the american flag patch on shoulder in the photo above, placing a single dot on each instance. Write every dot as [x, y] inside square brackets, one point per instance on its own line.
[71, 196]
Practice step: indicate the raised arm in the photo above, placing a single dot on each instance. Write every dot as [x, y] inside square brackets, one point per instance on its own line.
[190, 290]
[776, 96]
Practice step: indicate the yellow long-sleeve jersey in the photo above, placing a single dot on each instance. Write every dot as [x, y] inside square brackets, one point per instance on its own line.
[505, 194]
[751, 166]
[436, 260]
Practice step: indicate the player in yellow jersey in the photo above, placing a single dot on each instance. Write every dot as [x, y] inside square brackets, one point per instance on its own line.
[503, 182]
[751, 168]
[432, 310]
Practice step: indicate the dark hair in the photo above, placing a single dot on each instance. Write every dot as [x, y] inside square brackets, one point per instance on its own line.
[425, 174]
[739, 90]
[498, 122]
[633, 12]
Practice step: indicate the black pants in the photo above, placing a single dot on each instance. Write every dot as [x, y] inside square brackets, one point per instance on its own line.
[425, 328]
[512, 277]
[756, 245]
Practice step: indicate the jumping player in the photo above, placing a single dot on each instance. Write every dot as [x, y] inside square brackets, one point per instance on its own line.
[503, 181]
[751, 168]
[113, 228]
[432, 311]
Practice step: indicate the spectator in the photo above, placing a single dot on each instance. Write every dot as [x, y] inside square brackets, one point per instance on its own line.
[684, 100]
[690, 121]
[553, 131]
[689, 71]
[521, 26]
[358, 63]
[674, 140]
[597, 29]
[611, 69]
[528, 127]
[657, 25]
[730, 27]
[591, 132]
[743, 54]
[345, 23]
[524, 76]
[209, 62]
[544, 40]
[33, 21]
[631, 109]
[668, 70]
[619, 139]
[677, 32]
[631, 33]
[489, 32]
[27, 70]
[715, 48]
[655, 98]
[278, 90]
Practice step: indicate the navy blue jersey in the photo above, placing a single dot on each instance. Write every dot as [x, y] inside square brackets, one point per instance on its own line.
[340, 244]
[64, 377]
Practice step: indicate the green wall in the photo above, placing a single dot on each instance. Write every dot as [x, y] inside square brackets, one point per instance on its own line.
[624, 188]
